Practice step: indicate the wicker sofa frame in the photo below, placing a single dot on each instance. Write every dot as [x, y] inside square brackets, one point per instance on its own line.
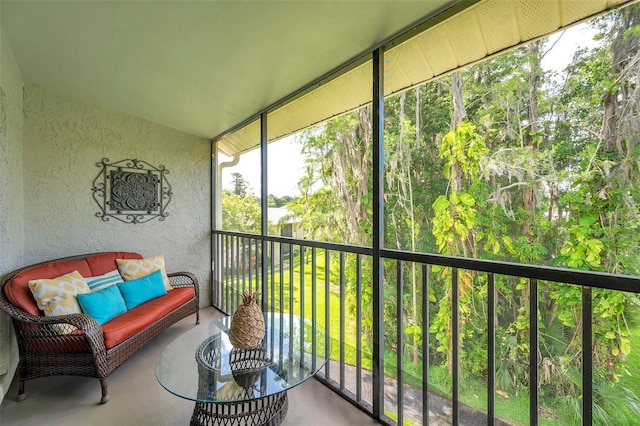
[38, 343]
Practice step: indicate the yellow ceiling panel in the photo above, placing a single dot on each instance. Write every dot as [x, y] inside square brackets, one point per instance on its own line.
[466, 38]
[241, 140]
[436, 48]
[339, 95]
[498, 25]
[537, 17]
[574, 10]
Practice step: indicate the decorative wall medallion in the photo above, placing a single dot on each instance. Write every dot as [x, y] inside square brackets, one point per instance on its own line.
[132, 191]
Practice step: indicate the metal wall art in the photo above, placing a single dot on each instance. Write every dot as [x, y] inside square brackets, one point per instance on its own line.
[131, 191]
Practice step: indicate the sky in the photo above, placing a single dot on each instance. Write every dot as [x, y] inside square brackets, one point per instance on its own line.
[566, 42]
[286, 167]
[286, 163]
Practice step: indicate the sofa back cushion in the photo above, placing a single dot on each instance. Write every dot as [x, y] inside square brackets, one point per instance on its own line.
[102, 263]
[17, 289]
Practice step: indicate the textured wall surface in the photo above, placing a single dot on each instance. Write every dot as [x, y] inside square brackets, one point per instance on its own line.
[11, 184]
[64, 138]
[11, 200]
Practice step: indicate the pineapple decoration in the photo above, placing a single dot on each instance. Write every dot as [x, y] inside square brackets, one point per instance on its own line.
[247, 325]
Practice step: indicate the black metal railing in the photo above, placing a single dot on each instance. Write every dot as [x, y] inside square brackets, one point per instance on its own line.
[301, 280]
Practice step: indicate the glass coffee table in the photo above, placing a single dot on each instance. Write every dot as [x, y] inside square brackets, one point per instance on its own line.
[233, 386]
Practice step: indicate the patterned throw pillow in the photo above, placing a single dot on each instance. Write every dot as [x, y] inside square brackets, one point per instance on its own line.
[137, 268]
[58, 296]
[103, 281]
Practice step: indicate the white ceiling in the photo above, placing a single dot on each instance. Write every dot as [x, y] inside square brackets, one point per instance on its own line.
[201, 67]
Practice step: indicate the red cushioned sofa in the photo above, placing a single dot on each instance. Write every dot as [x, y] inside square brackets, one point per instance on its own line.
[91, 350]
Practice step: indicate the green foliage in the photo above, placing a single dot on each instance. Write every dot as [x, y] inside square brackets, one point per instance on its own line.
[441, 325]
[463, 147]
[557, 190]
[454, 215]
[275, 201]
[240, 213]
[336, 201]
[454, 219]
[612, 405]
[321, 221]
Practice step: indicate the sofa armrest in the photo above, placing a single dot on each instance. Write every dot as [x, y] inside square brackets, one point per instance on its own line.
[32, 328]
[95, 338]
[184, 279]
[40, 331]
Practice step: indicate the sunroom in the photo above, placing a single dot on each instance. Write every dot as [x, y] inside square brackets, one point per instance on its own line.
[456, 188]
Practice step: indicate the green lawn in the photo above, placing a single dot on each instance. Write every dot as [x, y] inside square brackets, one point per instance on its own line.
[320, 304]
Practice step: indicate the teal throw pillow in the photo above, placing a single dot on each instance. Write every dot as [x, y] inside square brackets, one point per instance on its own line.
[103, 305]
[136, 292]
[103, 281]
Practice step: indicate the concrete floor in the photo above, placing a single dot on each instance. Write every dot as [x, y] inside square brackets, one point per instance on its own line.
[138, 399]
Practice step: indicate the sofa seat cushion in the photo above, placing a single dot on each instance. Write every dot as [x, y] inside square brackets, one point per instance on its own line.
[131, 322]
[18, 292]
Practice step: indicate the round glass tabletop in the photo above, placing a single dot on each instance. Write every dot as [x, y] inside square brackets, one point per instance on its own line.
[203, 366]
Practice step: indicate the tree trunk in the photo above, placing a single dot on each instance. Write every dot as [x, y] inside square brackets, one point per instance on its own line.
[407, 189]
[459, 110]
[350, 162]
[620, 130]
[621, 100]
[459, 114]
[531, 136]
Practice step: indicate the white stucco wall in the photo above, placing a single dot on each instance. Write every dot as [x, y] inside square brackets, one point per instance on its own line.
[64, 139]
[11, 200]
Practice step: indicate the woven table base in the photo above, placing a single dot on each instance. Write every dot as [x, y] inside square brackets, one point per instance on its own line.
[267, 411]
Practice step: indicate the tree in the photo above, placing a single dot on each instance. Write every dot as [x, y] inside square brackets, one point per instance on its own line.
[399, 180]
[411, 182]
[603, 201]
[499, 161]
[240, 213]
[339, 158]
[275, 201]
[240, 187]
